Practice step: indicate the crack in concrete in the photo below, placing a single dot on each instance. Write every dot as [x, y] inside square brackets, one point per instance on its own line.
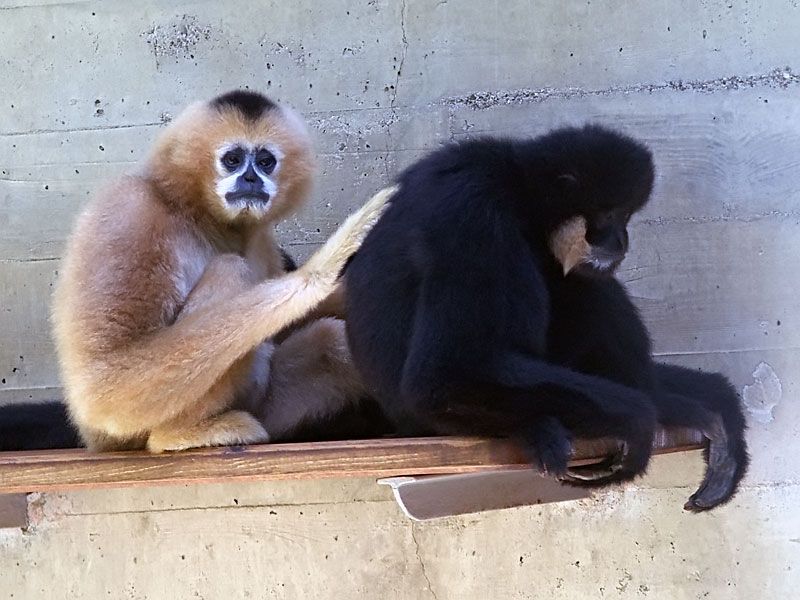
[776, 78]
[402, 55]
[389, 122]
[727, 218]
[422, 562]
[173, 509]
[9, 134]
[25, 261]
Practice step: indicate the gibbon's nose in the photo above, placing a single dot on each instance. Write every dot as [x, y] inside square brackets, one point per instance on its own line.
[610, 240]
[250, 175]
[615, 243]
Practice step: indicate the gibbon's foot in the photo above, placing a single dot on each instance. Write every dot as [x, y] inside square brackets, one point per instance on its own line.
[716, 489]
[723, 472]
[231, 428]
[597, 474]
[550, 447]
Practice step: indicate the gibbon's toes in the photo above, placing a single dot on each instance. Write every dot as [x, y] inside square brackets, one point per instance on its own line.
[553, 459]
[233, 428]
[608, 470]
[549, 445]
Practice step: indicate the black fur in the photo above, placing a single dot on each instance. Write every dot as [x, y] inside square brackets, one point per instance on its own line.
[360, 420]
[289, 264]
[36, 427]
[461, 319]
[251, 104]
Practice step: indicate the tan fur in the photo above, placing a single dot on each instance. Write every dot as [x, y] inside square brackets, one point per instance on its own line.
[313, 377]
[568, 243]
[166, 305]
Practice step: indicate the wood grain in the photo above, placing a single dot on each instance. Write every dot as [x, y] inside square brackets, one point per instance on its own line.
[46, 471]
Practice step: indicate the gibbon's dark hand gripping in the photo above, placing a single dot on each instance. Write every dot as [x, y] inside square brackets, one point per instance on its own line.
[483, 302]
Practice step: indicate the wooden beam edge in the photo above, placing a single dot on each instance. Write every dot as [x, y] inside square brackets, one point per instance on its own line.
[62, 470]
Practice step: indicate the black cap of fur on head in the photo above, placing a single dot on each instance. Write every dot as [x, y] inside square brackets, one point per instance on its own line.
[609, 164]
[251, 104]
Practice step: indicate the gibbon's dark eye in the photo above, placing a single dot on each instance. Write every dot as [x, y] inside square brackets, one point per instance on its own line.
[266, 161]
[232, 159]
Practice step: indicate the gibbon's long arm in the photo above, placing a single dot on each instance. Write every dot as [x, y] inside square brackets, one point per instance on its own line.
[511, 392]
[167, 372]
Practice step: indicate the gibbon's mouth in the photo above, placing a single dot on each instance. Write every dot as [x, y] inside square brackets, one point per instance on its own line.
[600, 264]
[254, 198]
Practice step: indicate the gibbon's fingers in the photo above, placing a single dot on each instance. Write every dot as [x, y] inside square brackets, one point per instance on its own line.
[227, 429]
[331, 258]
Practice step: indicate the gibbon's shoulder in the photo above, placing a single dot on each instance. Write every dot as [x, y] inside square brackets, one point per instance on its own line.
[479, 156]
[123, 208]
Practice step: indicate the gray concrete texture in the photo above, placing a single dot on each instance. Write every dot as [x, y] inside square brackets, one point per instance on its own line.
[713, 87]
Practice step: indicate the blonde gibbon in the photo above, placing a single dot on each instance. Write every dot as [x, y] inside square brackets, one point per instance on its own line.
[173, 290]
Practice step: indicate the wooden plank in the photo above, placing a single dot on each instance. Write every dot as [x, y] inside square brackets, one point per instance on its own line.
[46, 471]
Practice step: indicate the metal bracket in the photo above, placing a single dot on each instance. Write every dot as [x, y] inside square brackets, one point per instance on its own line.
[434, 496]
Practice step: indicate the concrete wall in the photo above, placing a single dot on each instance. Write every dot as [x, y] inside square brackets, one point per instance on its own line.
[714, 265]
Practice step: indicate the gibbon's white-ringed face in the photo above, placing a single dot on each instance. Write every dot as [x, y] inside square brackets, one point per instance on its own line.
[247, 177]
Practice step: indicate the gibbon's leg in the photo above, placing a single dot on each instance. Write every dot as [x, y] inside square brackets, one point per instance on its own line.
[231, 428]
[511, 393]
[210, 423]
[205, 424]
[100, 441]
[191, 355]
[312, 378]
[554, 404]
[708, 402]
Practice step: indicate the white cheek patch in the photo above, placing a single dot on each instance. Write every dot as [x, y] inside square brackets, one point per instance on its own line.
[227, 184]
[601, 263]
[269, 186]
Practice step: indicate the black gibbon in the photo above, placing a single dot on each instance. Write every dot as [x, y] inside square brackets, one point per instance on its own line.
[173, 288]
[483, 302]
